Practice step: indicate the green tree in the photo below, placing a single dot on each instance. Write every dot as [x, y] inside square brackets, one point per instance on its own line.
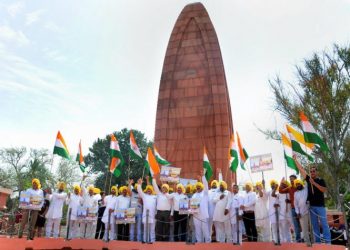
[322, 90]
[69, 172]
[98, 158]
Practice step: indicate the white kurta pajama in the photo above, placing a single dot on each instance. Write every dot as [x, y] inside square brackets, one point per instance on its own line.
[109, 201]
[150, 204]
[87, 226]
[221, 221]
[211, 207]
[54, 214]
[235, 202]
[200, 219]
[302, 209]
[285, 218]
[273, 201]
[73, 203]
[262, 219]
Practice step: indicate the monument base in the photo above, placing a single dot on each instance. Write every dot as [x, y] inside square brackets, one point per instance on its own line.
[59, 244]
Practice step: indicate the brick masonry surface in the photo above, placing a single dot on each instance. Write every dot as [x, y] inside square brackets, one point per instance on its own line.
[193, 102]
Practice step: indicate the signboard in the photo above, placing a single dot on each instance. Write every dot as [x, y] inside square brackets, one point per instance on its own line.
[81, 213]
[194, 205]
[185, 182]
[27, 201]
[261, 163]
[184, 206]
[123, 216]
[92, 212]
[170, 174]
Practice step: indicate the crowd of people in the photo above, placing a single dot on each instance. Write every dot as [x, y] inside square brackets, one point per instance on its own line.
[258, 213]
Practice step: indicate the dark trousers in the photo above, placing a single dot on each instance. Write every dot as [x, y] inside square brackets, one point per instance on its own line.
[100, 229]
[32, 215]
[162, 225]
[180, 224]
[249, 224]
[123, 232]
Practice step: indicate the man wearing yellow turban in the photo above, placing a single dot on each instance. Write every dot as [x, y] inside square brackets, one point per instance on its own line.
[262, 220]
[163, 211]
[136, 202]
[123, 202]
[214, 188]
[91, 203]
[180, 220]
[149, 204]
[248, 207]
[74, 201]
[54, 214]
[274, 207]
[108, 215]
[222, 220]
[36, 197]
[201, 219]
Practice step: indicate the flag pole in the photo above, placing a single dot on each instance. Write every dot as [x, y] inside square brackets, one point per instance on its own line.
[106, 180]
[110, 182]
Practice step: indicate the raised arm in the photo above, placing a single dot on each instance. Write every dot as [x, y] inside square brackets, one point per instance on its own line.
[205, 183]
[155, 186]
[139, 188]
[300, 167]
[220, 175]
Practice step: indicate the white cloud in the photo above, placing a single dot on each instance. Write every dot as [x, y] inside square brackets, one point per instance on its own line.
[8, 34]
[53, 27]
[15, 8]
[33, 17]
[54, 55]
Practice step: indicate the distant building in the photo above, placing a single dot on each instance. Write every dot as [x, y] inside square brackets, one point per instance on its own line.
[4, 193]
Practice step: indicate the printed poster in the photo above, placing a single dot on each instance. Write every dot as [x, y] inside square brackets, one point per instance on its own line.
[170, 174]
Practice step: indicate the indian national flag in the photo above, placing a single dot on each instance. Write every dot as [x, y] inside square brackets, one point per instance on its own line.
[134, 149]
[151, 163]
[160, 159]
[61, 147]
[310, 134]
[288, 153]
[233, 154]
[298, 143]
[208, 171]
[117, 160]
[80, 158]
[242, 152]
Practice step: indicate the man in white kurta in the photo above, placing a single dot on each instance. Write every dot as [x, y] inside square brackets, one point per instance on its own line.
[201, 218]
[74, 201]
[123, 202]
[211, 204]
[54, 214]
[248, 207]
[110, 201]
[285, 216]
[273, 205]
[221, 220]
[90, 202]
[235, 214]
[262, 214]
[136, 228]
[149, 200]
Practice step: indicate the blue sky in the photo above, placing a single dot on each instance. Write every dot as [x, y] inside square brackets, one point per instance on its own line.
[88, 68]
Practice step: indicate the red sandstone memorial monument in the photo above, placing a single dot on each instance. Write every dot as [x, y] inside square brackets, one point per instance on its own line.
[193, 103]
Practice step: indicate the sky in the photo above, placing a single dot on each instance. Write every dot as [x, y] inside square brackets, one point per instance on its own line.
[88, 68]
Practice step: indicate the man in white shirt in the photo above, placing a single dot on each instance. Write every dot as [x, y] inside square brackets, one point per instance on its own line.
[110, 201]
[136, 228]
[91, 204]
[34, 192]
[274, 207]
[74, 201]
[235, 214]
[149, 200]
[163, 211]
[201, 218]
[262, 220]
[54, 214]
[248, 212]
[301, 208]
[123, 202]
[211, 207]
[221, 220]
[180, 220]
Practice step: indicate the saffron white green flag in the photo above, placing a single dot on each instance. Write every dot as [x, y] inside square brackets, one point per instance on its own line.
[208, 170]
[80, 158]
[117, 160]
[288, 153]
[134, 149]
[233, 154]
[310, 133]
[160, 159]
[151, 163]
[60, 147]
[298, 143]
